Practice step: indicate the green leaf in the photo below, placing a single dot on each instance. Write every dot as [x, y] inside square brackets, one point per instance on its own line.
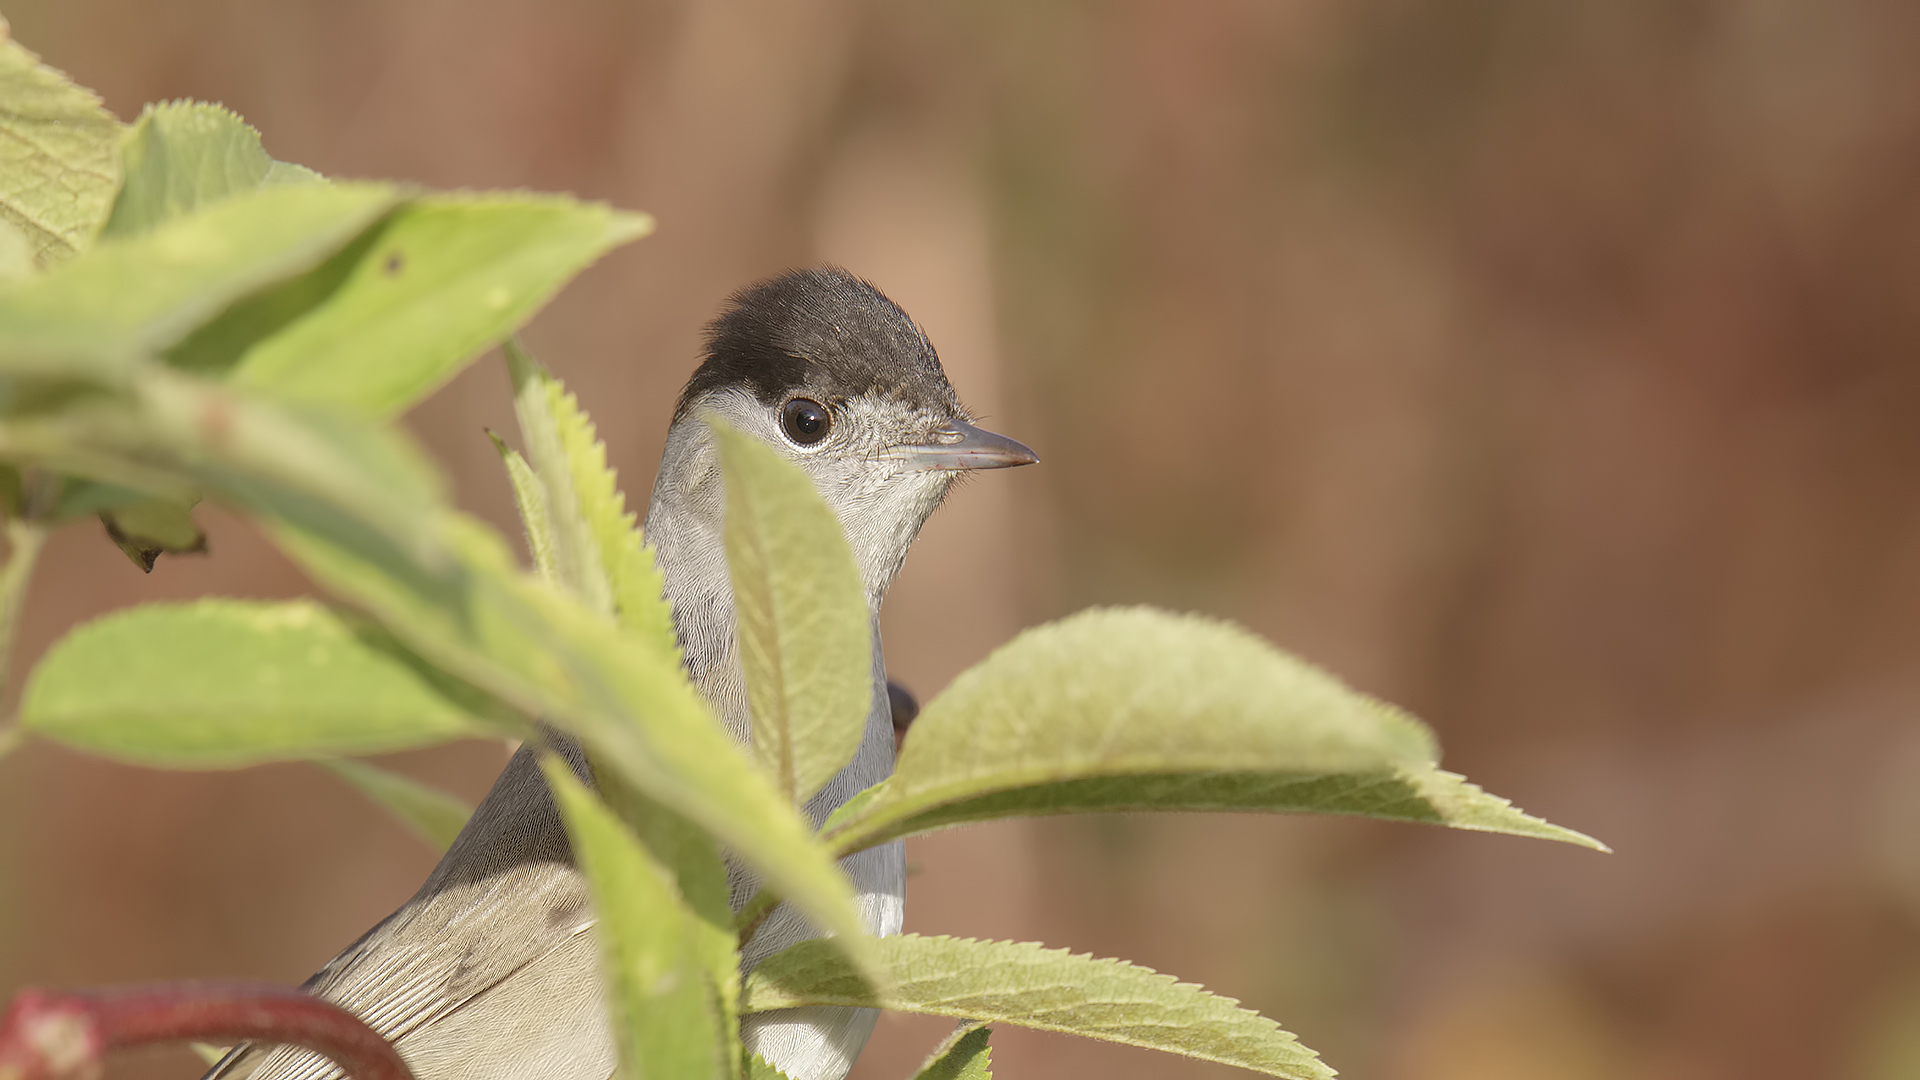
[16, 252]
[181, 156]
[632, 579]
[444, 279]
[548, 655]
[147, 528]
[1036, 987]
[804, 630]
[666, 1019]
[577, 564]
[530, 498]
[429, 813]
[1115, 695]
[689, 855]
[964, 1055]
[59, 157]
[759, 1068]
[125, 299]
[172, 436]
[225, 683]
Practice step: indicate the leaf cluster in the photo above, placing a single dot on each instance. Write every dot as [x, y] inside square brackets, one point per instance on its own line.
[184, 318]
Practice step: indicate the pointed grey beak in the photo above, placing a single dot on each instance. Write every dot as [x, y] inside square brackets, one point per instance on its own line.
[963, 446]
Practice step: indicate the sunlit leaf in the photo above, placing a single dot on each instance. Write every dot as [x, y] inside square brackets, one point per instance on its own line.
[224, 683]
[1033, 986]
[548, 655]
[135, 296]
[59, 156]
[665, 1016]
[180, 156]
[429, 813]
[530, 499]
[802, 623]
[577, 564]
[964, 1055]
[690, 856]
[444, 279]
[1118, 694]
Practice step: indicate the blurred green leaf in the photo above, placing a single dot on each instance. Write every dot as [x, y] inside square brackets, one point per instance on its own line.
[530, 499]
[964, 1055]
[429, 813]
[1036, 987]
[147, 528]
[689, 855]
[16, 252]
[633, 582]
[442, 280]
[181, 156]
[93, 316]
[548, 655]
[59, 157]
[802, 623]
[171, 436]
[759, 1068]
[225, 683]
[666, 1018]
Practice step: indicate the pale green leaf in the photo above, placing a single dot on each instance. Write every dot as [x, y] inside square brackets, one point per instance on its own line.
[964, 1055]
[577, 565]
[225, 683]
[16, 252]
[1033, 986]
[180, 156]
[666, 1017]
[759, 1068]
[802, 623]
[626, 565]
[146, 528]
[429, 813]
[172, 436]
[59, 156]
[1119, 694]
[444, 279]
[689, 855]
[127, 298]
[548, 655]
[530, 499]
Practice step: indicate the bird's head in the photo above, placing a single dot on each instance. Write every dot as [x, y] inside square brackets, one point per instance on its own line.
[822, 367]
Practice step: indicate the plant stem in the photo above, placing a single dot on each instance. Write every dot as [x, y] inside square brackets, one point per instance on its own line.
[55, 1036]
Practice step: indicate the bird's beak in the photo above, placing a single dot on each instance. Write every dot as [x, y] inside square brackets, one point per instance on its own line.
[962, 446]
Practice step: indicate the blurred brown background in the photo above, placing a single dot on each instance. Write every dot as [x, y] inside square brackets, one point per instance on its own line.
[1549, 368]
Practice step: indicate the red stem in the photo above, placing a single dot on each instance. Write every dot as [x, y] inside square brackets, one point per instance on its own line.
[53, 1036]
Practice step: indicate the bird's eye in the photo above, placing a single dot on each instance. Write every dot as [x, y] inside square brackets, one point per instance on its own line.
[807, 421]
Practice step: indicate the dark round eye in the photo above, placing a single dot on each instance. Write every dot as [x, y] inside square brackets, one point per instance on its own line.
[806, 421]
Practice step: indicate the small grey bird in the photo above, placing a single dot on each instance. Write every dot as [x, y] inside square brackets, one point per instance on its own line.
[490, 971]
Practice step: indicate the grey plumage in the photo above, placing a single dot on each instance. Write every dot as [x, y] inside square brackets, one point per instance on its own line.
[488, 972]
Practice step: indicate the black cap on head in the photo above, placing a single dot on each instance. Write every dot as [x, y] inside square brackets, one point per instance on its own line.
[823, 330]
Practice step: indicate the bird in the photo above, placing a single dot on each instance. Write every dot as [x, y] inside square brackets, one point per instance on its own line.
[490, 971]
